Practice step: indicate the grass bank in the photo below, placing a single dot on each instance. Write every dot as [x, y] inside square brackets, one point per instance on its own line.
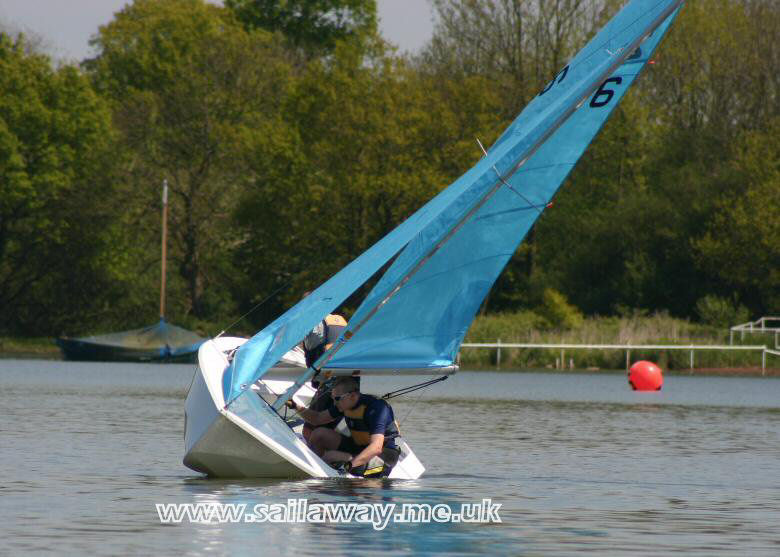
[38, 347]
[528, 327]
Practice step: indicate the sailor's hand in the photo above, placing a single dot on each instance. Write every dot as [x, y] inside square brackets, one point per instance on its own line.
[291, 404]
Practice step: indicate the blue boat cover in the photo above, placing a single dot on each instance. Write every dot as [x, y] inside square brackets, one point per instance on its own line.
[454, 247]
[161, 341]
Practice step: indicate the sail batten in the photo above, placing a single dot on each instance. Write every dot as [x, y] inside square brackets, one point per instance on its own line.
[450, 252]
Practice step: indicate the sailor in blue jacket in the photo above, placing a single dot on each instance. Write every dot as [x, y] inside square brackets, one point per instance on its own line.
[370, 449]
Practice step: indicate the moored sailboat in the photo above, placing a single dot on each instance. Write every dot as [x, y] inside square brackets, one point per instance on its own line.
[160, 342]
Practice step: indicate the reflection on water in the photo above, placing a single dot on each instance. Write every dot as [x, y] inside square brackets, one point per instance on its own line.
[579, 463]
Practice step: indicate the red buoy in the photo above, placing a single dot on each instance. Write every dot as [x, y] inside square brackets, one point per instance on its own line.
[645, 376]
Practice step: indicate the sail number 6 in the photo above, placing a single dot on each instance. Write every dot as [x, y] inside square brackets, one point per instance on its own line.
[600, 98]
[603, 95]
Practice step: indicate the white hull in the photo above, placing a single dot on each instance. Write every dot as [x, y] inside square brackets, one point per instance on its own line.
[249, 440]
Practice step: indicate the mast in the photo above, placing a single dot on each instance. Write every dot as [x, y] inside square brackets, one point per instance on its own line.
[164, 247]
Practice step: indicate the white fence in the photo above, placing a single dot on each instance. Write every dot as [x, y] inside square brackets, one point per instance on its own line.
[760, 326]
[497, 346]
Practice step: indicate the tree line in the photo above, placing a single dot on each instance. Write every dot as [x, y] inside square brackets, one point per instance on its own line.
[293, 137]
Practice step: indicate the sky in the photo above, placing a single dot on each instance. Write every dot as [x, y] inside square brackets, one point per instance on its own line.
[67, 25]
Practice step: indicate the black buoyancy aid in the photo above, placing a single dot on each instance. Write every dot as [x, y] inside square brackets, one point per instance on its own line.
[358, 428]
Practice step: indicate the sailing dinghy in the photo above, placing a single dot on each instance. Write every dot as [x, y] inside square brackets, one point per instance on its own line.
[447, 256]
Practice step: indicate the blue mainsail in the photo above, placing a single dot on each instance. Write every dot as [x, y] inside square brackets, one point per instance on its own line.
[453, 248]
[425, 322]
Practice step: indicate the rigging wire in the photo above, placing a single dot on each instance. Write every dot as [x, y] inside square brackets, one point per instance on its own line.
[271, 295]
[412, 388]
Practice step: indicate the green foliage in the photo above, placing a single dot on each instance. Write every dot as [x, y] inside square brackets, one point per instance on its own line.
[558, 311]
[366, 145]
[292, 142]
[314, 25]
[55, 137]
[720, 312]
[665, 205]
[192, 91]
[741, 243]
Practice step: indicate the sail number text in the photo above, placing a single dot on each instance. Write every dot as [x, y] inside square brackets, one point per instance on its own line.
[601, 97]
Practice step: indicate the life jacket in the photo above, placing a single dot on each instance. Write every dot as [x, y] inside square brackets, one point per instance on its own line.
[333, 325]
[359, 429]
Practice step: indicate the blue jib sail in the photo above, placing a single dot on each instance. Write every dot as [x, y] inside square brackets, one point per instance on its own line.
[455, 246]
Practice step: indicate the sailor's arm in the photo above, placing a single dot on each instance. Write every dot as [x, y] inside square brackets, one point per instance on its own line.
[375, 444]
[312, 417]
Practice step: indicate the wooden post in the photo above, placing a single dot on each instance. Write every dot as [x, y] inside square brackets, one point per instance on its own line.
[498, 353]
[164, 247]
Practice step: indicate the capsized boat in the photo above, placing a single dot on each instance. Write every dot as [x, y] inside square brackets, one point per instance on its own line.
[250, 439]
[447, 256]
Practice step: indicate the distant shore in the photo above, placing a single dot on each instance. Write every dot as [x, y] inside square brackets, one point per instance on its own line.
[46, 349]
[33, 348]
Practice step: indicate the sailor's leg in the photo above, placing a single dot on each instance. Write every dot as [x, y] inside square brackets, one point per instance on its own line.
[324, 439]
[336, 456]
[346, 449]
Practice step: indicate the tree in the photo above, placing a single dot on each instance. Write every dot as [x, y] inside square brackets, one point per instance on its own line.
[518, 44]
[629, 226]
[55, 136]
[372, 143]
[189, 87]
[316, 26]
[741, 243]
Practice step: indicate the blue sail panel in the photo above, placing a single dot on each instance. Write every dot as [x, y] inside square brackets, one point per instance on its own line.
[587, 71]
[435, 222]
[423, 324]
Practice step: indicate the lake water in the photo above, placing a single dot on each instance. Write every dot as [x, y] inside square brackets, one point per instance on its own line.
[578, 462]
